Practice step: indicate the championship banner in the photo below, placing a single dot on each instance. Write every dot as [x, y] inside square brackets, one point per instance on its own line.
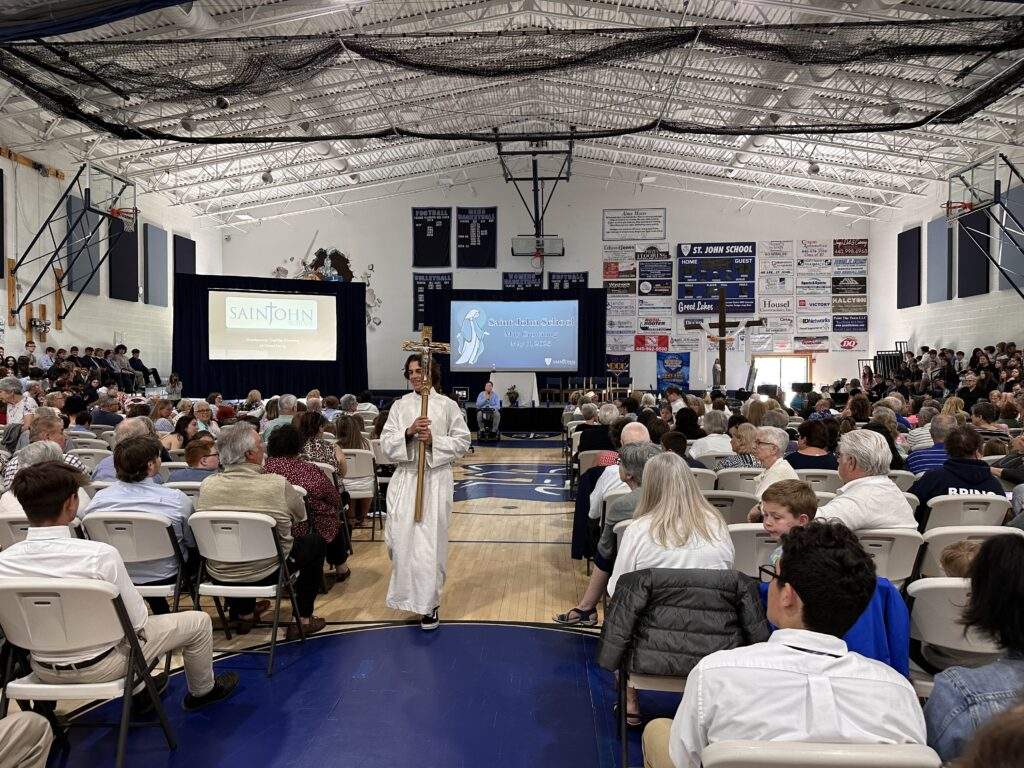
[567, 281]
[521, 281]
[704, 267]
[421, 283]
[476, 237]
[431, 237]
[616, 366]
[673, 369]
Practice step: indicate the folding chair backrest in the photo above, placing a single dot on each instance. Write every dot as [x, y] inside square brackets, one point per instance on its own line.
[97, 485]
[378, 453]
[189, 487]
[894, 551]
[959, 509]
[100, 429]
[13, 528]
[824, 497]
[710, 460]
[992, 459]
[734, 505]
[753, 545]
[588, 460]
[571, 426]
[937, 539]
[174, 465]
[738, 479]
[178, 454]
[88, 442]
[575, 440]
[234, 537]
[59, 616]
[705, 478]
[109, 438]
[137, 536]
[90, 456]
[609, 499]
[567, 417]
[902, 478]
[328, 469]
[826, 480]
[935, 615]
[358, 463]
[912, 500]
[791, 754]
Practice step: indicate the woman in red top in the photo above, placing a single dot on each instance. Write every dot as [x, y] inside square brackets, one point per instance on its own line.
[323, 502]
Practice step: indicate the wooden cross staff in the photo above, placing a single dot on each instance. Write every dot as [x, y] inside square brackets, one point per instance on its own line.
[426, 347]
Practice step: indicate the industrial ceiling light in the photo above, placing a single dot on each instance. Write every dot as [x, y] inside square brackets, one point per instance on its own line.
[839, 208]
[189, 124]
[813, 168]
[891, 109]
[648, 179]
[267, 177]
[222, 102]
[446, 181]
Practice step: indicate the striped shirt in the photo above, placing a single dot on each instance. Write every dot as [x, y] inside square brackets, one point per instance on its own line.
[927, 458]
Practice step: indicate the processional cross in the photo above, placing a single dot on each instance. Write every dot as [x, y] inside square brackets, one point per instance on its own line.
[723, 327]
[426, 347]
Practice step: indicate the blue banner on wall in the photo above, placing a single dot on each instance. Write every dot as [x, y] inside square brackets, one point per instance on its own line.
[421, 283]
[704, 267]
[520, 281]
[567, 281]
[673, 368]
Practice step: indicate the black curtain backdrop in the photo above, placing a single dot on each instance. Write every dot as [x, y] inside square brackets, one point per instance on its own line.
[591, 329]
[234, 378]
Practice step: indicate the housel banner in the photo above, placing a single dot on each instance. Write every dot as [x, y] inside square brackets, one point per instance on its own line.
[673, 369]
[421, 283]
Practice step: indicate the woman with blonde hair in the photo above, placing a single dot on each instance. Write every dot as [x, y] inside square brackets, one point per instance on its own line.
[953, 406]
[253, 405]
[743, 446]
[349, 430]
[754, 409]
[695, 403]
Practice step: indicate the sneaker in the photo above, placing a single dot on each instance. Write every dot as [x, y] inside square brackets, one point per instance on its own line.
[223, 687]
[577, 618]
[430, 621]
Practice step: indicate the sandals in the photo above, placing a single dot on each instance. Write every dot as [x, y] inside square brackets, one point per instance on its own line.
[632, 720]
[577, 618]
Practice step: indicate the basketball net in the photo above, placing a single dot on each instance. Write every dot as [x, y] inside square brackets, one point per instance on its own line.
[127, 217]
[955, 209]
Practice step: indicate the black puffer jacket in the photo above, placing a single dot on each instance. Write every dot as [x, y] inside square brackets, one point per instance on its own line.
[665, 620]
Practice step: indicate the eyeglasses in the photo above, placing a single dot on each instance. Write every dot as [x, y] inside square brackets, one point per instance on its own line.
[767, 573]
[764, 442]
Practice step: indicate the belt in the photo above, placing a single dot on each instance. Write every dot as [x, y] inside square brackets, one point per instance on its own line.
[76, 665]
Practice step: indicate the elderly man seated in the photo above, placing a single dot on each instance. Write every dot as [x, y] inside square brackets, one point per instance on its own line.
[287, 407]
[133, 427]
[869, 499]
[610, 481]
[600, 439]
[105, 414]
[46, 425]
[242, 486]
[717, 441]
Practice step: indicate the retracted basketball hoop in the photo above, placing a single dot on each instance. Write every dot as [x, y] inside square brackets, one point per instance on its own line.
[127, 216]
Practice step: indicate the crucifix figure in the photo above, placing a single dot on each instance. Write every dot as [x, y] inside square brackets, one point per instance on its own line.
[722, 327]
[420, 494]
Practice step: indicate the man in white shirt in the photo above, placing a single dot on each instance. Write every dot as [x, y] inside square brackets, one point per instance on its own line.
[20, 407]
[714, 423]
[869, 499]
[48, 493]
[818, 689]
[610, 482]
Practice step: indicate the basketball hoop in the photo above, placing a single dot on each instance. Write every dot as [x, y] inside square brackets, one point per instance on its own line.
[955, 209]
[127, 217]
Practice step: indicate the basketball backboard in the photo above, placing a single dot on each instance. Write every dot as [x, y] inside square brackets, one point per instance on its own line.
[105, 190]
[973, 187]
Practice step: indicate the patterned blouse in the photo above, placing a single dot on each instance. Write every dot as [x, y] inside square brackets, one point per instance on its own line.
[322, 498]
[738, 460]
[318, 449]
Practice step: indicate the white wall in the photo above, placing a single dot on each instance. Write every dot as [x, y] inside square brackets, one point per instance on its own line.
[380, 232]
[94, 319]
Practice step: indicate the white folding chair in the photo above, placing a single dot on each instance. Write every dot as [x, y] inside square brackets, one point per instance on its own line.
[734, 505]
[956, 509]
[379, 460]
[894, 551]
[328, 469]
[608, 500]
[177, 454]
[705, 478]
[100, 429]
[189, 487]
[109, 437]
[992, 459]
[14, 526]
[902, 478]
[753, 545]
[243, 537]
[74, 617]
[826, 480]
[710, 460]
[90, 456]
[359, 465]
[804, 754]
[742, 479]
[912, 500]
[87, 442]
[935, 619]
[824, 497]
[171, 466]
[97, 485]
[937, 539]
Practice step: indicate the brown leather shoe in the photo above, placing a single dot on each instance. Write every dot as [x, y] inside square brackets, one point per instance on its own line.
[315, 625]
[244, 626]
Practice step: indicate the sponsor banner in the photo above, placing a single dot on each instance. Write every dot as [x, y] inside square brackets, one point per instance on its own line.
[783, 344]
[814, 285]
[650, 343]
[653, 252]
[685, 342]
[782, 267]
[849, 323]
[633, 224]
[814, 249]
[780, 326]
[567, 281]
[850, 342]
[655, 306]
[618, 343]
[654, 288]
[732, 343]
[850, 265]
[813, 324]
[853, 247]
[846, 305]
[705, 267]
[655, 270]
[775, 305]
[521, 281]
[620, 324]
[813, 305]
[620, 287]
[762, 342]
[686, 324]
[618, 252]
[774, 285]
[656, 324]
[811, 343]
[617, 365]
[618, 270]
[769, 249]
[673, 369]
[850, 285]
[814, 267]
[620, 306]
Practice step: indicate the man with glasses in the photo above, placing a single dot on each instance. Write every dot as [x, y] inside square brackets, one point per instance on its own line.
[203, 460]
[803, 684]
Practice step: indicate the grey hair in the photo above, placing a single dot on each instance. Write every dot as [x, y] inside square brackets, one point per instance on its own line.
[868, 450]
[941, 425]
[286, 404]
[715, 422]
[772, 419]
[136, 426]
[925, 415]
[11, 384]
[235, 441]
[347, 403]
[607, 413]
[777, 437]
[588, 411]
[38, 452]
[648, 400]
[634, 456]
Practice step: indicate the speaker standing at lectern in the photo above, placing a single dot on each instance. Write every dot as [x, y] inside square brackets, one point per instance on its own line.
[490, 402]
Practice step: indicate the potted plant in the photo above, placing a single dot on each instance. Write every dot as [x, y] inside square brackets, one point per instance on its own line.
[512, 396]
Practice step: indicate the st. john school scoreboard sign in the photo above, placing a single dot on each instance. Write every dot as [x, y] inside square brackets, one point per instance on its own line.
[703, 267]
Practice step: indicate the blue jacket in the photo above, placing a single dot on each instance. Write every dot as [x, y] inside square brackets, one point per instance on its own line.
[883, 631]
[956, 476]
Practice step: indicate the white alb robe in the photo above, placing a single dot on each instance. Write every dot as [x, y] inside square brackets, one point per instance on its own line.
[419, 551]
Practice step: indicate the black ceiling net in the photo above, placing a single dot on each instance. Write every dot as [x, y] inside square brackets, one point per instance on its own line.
[141, 89]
